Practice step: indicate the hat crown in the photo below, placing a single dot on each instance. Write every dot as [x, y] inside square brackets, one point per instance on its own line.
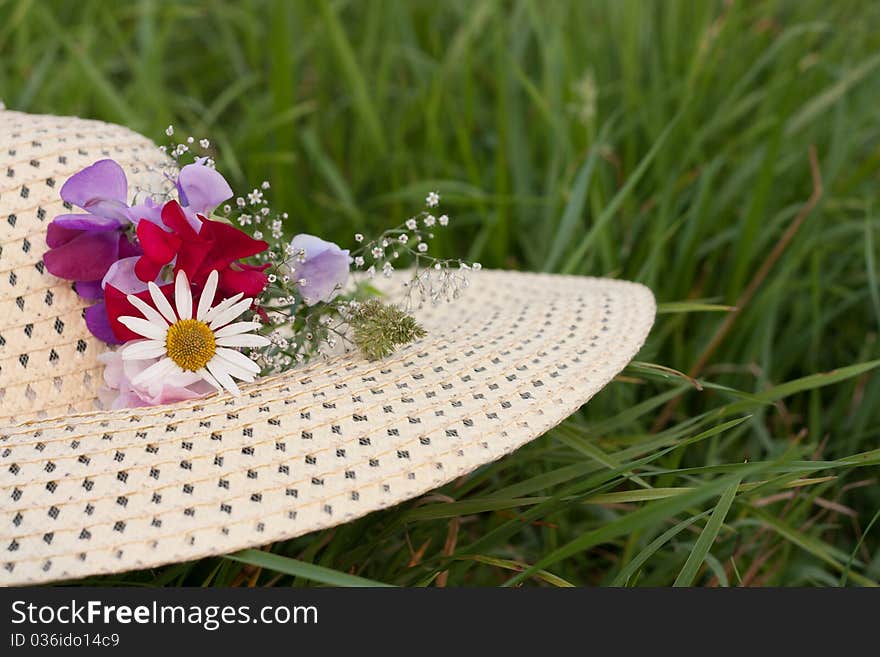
[48, 359]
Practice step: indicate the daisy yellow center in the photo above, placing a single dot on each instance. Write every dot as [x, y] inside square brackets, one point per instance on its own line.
[191, 344]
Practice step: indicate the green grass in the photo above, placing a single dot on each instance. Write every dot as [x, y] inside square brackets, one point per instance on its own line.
[665, 142]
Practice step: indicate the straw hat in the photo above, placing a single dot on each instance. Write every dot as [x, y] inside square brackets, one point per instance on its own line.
[87, 491]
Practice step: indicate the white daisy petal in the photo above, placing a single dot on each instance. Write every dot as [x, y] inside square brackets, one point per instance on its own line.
[232, 356]
[217, 368]
[155, 372]
[161, 302]
[183, 296]
[234, 370]
[235, 329]
[209, 379]
[220, 307]
[185, 378]
[143, 349]
[147, 310]
[231, 313]
[208, 293]
[244, 340]
[144, 328]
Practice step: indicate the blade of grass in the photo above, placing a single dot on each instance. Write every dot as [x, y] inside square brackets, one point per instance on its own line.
[574, 260]
[707, 537]
[352, 72]
[575, 206]
[297, 568]
[649, 550]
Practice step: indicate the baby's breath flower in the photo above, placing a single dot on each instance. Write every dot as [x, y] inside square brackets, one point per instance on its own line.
[444, 220]
[358, 237]
[204, 143]
[411, 224]
[169, 130]
[432, 200]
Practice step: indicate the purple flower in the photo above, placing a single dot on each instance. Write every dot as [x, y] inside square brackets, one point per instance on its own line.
[84, 246]
[320, 267]
[149, 210]
[201, 188]
[98, 323]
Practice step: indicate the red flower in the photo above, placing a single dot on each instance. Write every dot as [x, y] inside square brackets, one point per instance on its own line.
[240, 277]
[119, 306]
[216, 245]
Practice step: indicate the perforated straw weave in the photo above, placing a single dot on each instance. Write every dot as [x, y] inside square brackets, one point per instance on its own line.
[106, 491]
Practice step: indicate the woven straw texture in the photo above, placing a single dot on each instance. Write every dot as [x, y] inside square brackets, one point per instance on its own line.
[98, 492]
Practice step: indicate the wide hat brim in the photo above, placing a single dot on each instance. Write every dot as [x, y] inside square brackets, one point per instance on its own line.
[112, 491]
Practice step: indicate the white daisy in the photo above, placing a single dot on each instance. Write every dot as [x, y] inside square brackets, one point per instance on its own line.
[203, 342]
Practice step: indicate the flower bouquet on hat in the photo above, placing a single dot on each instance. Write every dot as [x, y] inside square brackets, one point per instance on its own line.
[182, 374]
[195, 293]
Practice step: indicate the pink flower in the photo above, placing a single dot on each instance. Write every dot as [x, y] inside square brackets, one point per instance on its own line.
[118, 391]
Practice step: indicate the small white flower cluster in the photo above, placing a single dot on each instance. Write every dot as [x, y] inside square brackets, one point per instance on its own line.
[441, 283]
[170, 168]
[434, 279]
[177, 151]
[298, 337]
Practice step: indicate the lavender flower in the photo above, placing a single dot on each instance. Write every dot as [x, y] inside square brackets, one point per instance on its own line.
[200, 189]
[320, 267]
[84, 246]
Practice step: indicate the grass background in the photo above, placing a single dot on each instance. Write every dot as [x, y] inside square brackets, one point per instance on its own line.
[665, 142]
